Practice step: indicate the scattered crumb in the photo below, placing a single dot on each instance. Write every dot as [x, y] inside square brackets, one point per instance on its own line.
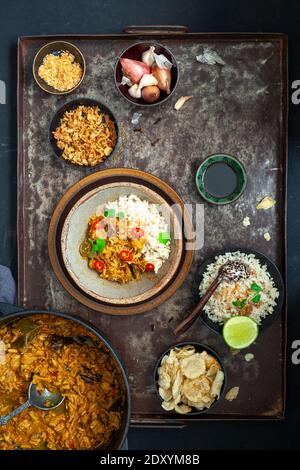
[266, 203]
[249, 357]
[232, 393]
[135, 118]
[234, 352]
[210, 57]
[267, 236]
[246, 221]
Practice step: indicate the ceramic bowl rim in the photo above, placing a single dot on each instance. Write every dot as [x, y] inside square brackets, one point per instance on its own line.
[242, 168]
[69, 105]
[149, 292]
[218, 327]
[37, 80]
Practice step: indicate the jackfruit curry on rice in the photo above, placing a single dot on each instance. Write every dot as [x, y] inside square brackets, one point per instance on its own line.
[114, 256]
[130, 237]
[65, 357]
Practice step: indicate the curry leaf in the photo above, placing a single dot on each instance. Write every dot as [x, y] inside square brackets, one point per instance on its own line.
[256, 287]
[29, 329]
[239, 303]
[256, 299]
[26, 325]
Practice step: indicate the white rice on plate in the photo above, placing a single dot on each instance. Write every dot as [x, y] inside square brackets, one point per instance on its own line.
[256, 296]
[145, 215]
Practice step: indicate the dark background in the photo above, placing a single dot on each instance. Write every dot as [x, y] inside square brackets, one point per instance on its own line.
[21, 17]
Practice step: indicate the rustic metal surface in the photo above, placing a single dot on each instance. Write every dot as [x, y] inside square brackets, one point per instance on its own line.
[238, 109]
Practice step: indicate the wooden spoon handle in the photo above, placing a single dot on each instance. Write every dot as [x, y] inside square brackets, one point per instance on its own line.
[189, 320]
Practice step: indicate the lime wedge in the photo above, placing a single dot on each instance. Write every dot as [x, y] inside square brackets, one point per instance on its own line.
[239, 332]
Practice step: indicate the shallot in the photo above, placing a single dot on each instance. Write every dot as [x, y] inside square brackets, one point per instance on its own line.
[134, 69]
[163, 76]
[150, 93]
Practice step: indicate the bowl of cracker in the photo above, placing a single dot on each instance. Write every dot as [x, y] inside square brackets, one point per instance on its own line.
[189, 378]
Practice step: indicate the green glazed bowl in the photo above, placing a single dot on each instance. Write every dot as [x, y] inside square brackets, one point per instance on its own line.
[235, 165]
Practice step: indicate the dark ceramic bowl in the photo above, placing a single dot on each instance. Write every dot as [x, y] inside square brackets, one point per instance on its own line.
[199, 348]
[70, 105]
[235, 165]
[273, 271]
[55, 47]
[135, 52]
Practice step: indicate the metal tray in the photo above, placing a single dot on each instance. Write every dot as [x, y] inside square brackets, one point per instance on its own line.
[240, 109]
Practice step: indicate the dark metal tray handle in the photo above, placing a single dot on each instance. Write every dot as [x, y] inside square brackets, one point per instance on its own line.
[155, 29]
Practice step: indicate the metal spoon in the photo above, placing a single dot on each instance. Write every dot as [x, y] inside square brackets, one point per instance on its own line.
[44, 400]
[231, 271]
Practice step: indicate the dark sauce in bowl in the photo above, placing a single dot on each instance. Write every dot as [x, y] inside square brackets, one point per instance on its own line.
[220, 179]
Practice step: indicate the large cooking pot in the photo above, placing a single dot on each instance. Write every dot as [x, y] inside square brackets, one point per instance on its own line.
[10, 313]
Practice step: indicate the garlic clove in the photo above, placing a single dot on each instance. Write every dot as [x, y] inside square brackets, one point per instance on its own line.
[179, 103]
[147, 80]
[148, 56]
[135, 91]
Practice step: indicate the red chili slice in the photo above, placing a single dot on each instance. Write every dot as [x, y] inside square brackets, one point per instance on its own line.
[94, 225]
[150, 267]
[137, 232]
[126, 255]
[98, 265]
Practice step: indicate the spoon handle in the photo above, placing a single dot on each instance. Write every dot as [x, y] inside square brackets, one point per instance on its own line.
[189, 320]
[6, 418]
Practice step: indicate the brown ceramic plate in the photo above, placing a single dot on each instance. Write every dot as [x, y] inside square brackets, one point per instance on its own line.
[67, 230]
